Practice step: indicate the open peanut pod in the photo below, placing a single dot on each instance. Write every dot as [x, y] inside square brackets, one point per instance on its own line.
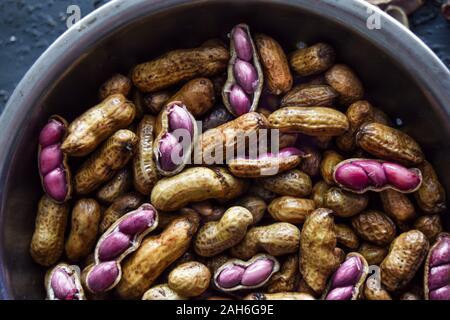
[244, 84]
[62, 282]
[176, 134]
[436, 282]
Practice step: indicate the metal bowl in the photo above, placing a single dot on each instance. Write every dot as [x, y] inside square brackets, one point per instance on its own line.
[402, 75]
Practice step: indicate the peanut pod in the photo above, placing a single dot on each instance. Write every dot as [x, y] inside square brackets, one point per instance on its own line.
[361, 175]
[311, 161]
[294, 183]
[156, 101]
[285, 279]
[437, 270]
[115, 187]
[431, 195]
[291, 209]
[346, 236]
[374, 290]
[373, 254]
[117, 84]
[197, 95]
[237, 274]
[189, 279]
[312, 60]
[430, 225]
[162, 292]
[343, 203]
[256, 205]
[398, 206]
[310, 96]
[243, 87]
[328, 164]
[95, 125]
[62, 282]
[374, 226]
[346, 83]
[54, 170]
[319, 192]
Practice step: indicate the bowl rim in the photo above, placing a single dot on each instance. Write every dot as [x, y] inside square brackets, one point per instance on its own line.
[396, 40]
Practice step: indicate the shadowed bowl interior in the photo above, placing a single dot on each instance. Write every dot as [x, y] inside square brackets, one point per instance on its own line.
[400, 74]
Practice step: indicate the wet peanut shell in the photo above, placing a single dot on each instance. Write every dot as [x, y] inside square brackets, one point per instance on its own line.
[226, 136]
[431, 195]
[101, 166]
[276, 239]
[374, 226]
[231, 79]
[279, 296]
[291, 209]
[65, 163]
[197, 95]
[162, 292]
[256, 168]
[180, 65]
[346, 83]
[115, 187]
[373, 254]
[293, 183]
[405, 256]
[359, 286]
[145, 174]
[309, 96]
[314, 121]
[118, 208]
[172, 193]
[86, 215]
[278, 77]
[311, 161]
[285, 279]
[190, 279]
[389, 143]
[275, 268]
[426, 271]
[161, 127]
[95, 125]
[318, 193]
[157, 100]
[312, 60]
[73, 272]
[256, 205]
[216, 236]
[429, 225]
[318, 258]
[328, 164]
[47, 242]
[346, 236]
[345, 204]
[398, 206]
[117, 84]
[154, 255]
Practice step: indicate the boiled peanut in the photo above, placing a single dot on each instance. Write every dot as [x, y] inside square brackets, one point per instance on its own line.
[275, 65]
[431, 195]
[198, 96]
[374, 226]
[318, 259]
[436, 280]
[87, 131]
[162, 292]
[180, 65]
[309, 96]
[276, 239]
[311, 161]
[314, 121]
[86, 215]
[372, 253]
[344, 203]
[405, 256]
[279, 296]
[157, 100]
[172, 193]
[47, 243]
[115, 187]
[256, 205]
[101, 166]
[215, 237]
[117, 84]
[190, 279]
[291, 209]
[389, 143]
[285, 279]
[346, 236]
[145, 174]
[398, 206]
[63, 283]
[429, 225]
[154, 255]
[208, 211]
[318, 193]
[346, 83]
[312, 60]
[293, 183]
[329, 161]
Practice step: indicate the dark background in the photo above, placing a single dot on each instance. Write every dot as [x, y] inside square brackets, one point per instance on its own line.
[28, 27]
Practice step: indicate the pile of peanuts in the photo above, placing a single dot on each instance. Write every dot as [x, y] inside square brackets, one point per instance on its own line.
[352, 211]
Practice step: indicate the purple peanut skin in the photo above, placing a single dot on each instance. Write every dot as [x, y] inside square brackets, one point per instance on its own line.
[55, 184]
[343, 293]
[113, 246]
[137, 222]
[52, 133]
[179, 118]
[63, 286]
[242, 44]
[102, 276]
[441, 252]
[439, 277]
[50, 158]
[374, 171]
[352, 177]
[348, 273]
[257, 272]
[169, 145]
[231, 276]
[401, 177]
[441, 293]
[239, 100]
[246, 75]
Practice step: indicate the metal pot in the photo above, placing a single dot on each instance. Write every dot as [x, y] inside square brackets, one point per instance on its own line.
[402, 75]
